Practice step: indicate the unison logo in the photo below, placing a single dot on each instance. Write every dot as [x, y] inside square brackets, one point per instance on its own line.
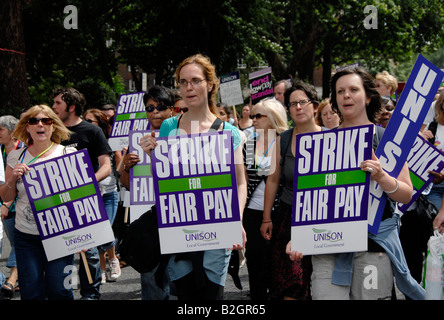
[326, 235]
[77, 239]
[193, 235]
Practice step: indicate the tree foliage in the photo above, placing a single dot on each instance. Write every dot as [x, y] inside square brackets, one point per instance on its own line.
[293, 37]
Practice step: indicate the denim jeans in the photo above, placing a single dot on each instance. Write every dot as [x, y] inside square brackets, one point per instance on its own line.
[9, 226]
[111, 202]
[39, 278]
[150, 289]
[90, 291]
[435, 195]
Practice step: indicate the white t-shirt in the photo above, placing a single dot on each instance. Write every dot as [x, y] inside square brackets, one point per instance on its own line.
[24, 218]
[257, 198]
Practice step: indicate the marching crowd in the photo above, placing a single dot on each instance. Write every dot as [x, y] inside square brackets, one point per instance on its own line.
[264, 150]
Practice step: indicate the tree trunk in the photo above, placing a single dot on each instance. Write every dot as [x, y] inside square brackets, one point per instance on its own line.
[14, 94]
[326, 69]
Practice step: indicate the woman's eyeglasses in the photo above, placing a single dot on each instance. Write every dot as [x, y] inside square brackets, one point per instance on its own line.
[300, 102]
[194, 82]
[151, 108]
[179, 109]
[257, 116]
[45, 121]
[91, 120]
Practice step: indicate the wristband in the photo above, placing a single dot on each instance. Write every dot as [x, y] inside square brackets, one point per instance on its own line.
[396, 188]
[5, 205]
[266, 221]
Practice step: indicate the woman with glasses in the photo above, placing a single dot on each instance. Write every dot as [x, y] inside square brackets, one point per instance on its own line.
[289, 280]
[42, 131]
[344, 276]
[198, 82]
[269, 119]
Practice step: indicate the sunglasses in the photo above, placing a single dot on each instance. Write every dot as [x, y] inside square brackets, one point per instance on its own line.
[179, 109]
[257, 116]
[158, 108]
[91, 120]
[45, 121]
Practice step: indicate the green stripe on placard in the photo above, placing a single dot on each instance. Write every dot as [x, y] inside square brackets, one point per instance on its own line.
[335, 179]
[186, 184]
[55, 200]
[131, 116]
[417, 182]
[142, 170]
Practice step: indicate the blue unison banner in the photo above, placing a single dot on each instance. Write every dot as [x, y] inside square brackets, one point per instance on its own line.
[402, 130]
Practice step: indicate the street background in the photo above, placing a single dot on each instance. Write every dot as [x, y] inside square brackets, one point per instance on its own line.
[127, 287]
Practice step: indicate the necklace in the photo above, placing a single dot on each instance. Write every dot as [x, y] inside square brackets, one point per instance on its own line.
[265, 154]
[39, 153]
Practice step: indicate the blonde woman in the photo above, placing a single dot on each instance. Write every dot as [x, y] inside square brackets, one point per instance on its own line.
[386, 84]
[269, 121]
[42, 131]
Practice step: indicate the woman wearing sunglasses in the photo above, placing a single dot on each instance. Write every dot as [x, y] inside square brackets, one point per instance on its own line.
[289, 280]
[269, 119]
[42, 131]
[158, 101]
[179, 104]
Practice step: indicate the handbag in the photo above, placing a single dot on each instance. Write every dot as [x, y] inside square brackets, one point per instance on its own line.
[434, 267]
[427, 212]
[140, 244]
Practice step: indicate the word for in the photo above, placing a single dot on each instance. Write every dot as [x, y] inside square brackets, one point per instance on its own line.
[338, 150]
[57, 219]
[197, 156]
[58, 175]
[312, 205]
[180, 208]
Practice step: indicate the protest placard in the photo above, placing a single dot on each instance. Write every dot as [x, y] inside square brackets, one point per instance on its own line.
[261, 85]
[67, 205]
[331, 192]
[423, 157]
[230, 89]
[196, 192]
[141, 178]
[130, 115]
[402, 130]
